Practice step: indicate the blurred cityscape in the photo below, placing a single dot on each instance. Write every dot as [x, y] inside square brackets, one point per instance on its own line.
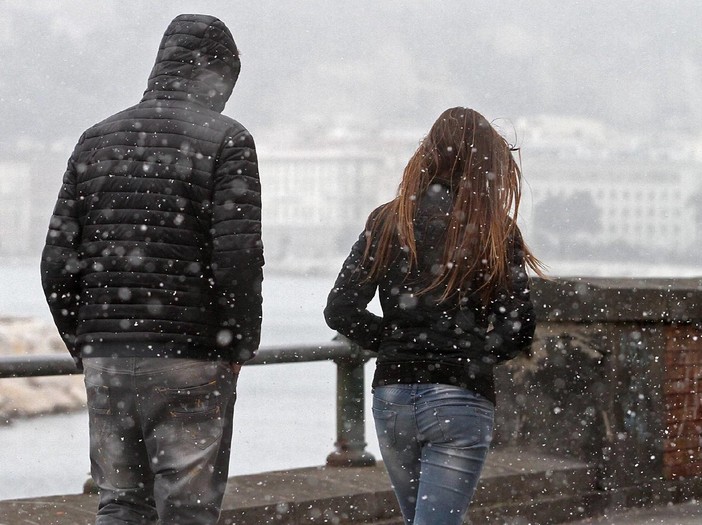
[590, 194]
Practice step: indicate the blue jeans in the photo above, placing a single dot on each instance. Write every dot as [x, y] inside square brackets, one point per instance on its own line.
[434, 440]
[160, 438]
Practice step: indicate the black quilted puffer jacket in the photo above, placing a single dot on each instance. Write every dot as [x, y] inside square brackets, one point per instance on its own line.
[154, 248]
[419, 338]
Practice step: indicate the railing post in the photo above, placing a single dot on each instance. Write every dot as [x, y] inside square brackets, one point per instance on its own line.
[350, 405]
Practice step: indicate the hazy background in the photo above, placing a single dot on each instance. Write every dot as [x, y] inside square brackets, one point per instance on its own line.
[603, 97]
[603, 86]
[635, 65]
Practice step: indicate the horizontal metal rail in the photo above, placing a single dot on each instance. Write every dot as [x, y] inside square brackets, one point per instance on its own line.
[56, 365]
[350, 446]
[37, 365]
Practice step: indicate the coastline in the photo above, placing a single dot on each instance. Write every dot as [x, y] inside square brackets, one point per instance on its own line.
[26, 397]
[293, 305]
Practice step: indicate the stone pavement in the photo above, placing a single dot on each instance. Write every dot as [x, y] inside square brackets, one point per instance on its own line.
[515, 483]
[682, 514]
[518, 487]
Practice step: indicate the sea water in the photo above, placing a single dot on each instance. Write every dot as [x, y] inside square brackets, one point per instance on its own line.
[284, 415]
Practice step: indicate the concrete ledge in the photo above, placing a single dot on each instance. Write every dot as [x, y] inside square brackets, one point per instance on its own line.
[341, 496]
[517, 487]
[590, 300]
[77, 509]
[310, 495]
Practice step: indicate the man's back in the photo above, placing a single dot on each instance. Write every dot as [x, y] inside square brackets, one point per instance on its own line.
[152, 270]
[157, 227]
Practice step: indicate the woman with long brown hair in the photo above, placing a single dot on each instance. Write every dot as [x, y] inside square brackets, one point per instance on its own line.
[449, 263]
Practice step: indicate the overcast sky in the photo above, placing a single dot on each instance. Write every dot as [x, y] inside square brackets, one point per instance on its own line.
[635, 65]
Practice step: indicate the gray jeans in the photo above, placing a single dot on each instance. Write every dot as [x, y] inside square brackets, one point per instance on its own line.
[160, 438]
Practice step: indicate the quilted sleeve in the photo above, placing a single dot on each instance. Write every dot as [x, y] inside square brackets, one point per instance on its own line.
[237, 249]
[347, 304]
[61, 262]
[512, 312]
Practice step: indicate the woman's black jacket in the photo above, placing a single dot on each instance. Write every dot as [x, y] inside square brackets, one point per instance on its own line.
[421, 340]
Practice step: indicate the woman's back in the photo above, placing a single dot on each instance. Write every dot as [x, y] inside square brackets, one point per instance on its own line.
[418, 322]
[422, 338]
[448, 262]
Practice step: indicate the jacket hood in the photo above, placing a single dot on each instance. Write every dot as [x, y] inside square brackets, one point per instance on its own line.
[197, 60]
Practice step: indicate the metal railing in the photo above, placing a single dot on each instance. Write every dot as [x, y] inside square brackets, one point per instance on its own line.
[350, 446]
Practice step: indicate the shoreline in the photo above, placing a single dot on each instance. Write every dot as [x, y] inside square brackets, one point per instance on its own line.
[25, 397]
[8, 422]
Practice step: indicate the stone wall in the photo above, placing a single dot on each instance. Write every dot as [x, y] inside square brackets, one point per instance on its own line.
[31, 396]
[615, 379]
[682, 453]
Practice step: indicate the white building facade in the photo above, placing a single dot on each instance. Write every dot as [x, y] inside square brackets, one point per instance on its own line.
[315, 204]
[15, 208]
[651, 203]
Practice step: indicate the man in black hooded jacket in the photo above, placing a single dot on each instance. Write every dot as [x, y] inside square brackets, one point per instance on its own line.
[152, 270]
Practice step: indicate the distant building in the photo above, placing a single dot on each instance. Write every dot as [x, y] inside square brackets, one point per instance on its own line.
[15, 208]
[314, 203]
[640, 202]
[316, 198]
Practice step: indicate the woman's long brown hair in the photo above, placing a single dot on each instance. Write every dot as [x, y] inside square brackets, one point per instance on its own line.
[463, 151]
